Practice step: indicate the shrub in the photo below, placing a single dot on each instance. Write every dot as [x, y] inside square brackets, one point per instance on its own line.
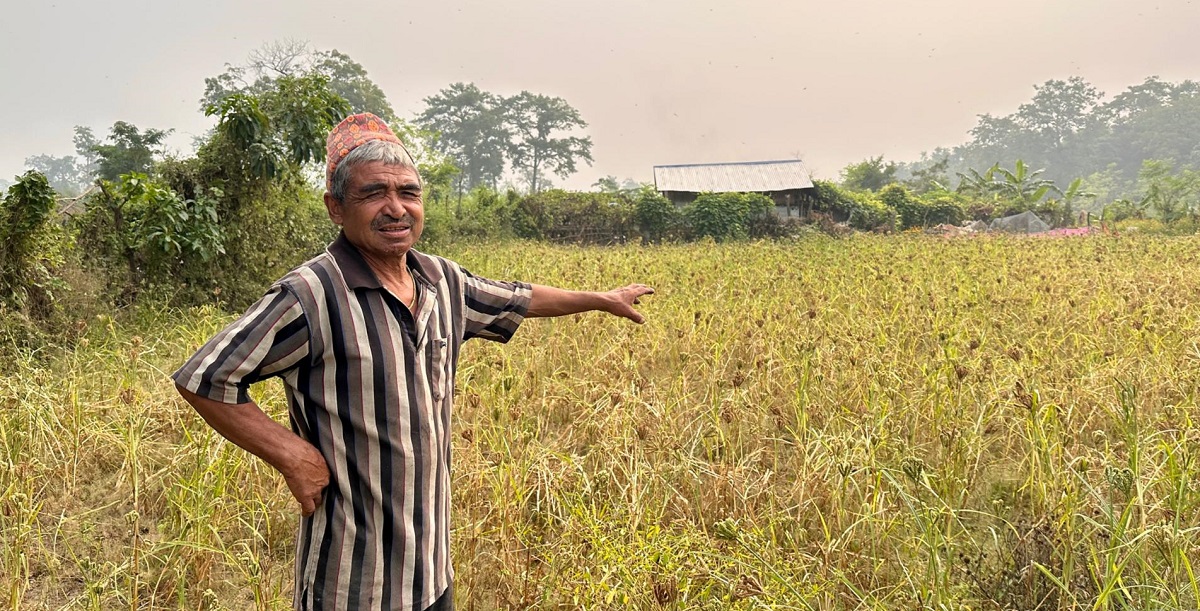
[654, 214]
[933, 208]
[25, 243]
[726, 216]
[574, 217]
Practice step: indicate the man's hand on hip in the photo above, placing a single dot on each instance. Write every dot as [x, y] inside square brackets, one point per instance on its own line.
[307, 475]
[246, 425]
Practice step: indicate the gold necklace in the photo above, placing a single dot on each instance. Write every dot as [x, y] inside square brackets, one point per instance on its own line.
[413, 281]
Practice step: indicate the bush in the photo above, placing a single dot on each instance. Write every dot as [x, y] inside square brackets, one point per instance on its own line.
[868, 213]
[28, 246]
[141, 234]
[933, 208]
[559, 215]
[482, 214]
[654, 214]
[726, 216]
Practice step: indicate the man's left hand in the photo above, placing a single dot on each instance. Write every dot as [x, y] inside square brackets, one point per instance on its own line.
[623, 300]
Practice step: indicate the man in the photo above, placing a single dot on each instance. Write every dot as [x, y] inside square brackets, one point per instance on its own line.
[366, 338]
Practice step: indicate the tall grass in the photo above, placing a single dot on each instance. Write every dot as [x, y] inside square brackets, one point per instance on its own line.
[829, 424]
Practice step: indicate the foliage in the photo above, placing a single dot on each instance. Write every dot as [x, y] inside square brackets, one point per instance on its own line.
[576, 217]
[88, 162]
[1071, 129]
[936, 208]
[63, 173]
[284, 125]
[24, 214]
[611, 185]
[298, 59]
[871, 174]
[1019, 184]
[931, 177]
[1171, 195]
[483, 214]
[467, 126]
[127, 150]
[142, 234]
[860, 210]
[538, 124]
[655, 214]
[727, 216]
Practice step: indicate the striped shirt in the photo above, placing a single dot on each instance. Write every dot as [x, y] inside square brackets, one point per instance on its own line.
[371, 385]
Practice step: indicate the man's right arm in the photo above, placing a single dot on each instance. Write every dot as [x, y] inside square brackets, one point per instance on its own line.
[300, 463]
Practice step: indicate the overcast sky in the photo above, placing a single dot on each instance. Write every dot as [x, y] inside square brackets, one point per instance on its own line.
[659, 81]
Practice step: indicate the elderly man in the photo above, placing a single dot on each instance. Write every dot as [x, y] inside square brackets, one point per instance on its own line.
[366, 338]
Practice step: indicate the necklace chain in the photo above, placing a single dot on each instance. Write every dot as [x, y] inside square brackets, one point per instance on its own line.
[413, 281]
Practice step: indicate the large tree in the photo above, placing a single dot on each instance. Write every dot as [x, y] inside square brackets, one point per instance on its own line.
[540, 126]
[128, 149]
[871, 174]
[468, 128]
[297, 59]
[63, 173]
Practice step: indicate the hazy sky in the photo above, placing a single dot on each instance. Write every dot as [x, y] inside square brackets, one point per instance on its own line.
[658, 81]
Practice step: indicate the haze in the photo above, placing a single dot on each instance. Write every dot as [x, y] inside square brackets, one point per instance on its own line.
[659, 82]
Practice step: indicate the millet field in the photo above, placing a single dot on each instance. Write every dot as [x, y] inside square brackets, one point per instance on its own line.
[863, 423]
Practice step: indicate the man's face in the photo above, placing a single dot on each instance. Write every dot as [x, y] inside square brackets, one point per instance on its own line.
[382, 214]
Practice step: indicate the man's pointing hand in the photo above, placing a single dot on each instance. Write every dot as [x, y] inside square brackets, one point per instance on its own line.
[623, 300]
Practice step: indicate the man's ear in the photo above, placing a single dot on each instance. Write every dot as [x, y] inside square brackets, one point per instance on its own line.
[334, 207]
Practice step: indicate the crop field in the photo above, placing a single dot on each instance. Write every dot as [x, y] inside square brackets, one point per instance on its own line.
[866, 423]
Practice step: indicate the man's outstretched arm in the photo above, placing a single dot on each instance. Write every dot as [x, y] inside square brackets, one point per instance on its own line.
[550, 301]
[301, 465]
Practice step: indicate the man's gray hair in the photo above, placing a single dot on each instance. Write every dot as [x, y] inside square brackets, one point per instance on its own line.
[389, 153]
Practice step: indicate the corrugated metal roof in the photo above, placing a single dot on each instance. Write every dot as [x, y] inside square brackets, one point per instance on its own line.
[748, 177]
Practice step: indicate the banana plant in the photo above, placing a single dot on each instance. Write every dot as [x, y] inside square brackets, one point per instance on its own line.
[1023, 184]
[974, 183]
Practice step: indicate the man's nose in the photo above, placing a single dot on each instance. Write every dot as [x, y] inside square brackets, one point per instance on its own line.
[395, 204]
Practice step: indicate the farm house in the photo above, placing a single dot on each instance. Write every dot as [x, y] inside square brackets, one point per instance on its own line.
[786, 182]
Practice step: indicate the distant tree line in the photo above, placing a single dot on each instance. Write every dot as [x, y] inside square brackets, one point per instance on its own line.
[1135, 155]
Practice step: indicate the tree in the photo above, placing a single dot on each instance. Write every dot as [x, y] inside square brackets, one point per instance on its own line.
[931, 177]
[128, 149]
[611, 185]
[439, 174]
[284, 126]
[871, 174]
[1171, 194]
[1023, 184]
[349, 79]
[85, 147]
[533, 121]
[1019, 184]
[297, 59]
[1059, 109]
[63, 173]
[468, 128]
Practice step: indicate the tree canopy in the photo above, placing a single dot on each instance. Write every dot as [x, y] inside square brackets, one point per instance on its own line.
[468, 126]
[1072, 129]
[298, 59]
[541, 143]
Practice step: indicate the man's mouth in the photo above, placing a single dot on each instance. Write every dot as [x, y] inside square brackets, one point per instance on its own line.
[395, 228]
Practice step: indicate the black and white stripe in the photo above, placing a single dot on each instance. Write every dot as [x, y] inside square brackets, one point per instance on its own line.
[370, 384]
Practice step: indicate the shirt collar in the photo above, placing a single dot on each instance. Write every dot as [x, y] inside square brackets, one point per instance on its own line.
[359, 275]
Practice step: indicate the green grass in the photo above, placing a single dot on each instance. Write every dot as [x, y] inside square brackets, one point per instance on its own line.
[901, 422]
